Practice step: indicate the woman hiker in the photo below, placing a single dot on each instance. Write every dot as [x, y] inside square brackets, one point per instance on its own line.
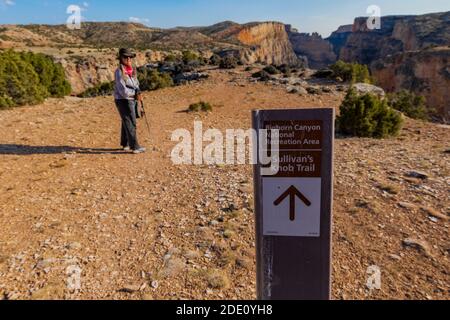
[127, 95]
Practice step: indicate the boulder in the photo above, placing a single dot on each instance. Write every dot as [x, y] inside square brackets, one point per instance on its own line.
[365, 88]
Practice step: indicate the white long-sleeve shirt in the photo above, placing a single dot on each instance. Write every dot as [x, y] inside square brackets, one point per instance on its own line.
[123, 86]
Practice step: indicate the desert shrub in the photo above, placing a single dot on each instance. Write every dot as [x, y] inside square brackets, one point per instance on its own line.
[6, 102]
[353, 72]
[148, 79]
[313, 90]
[410, 104]
[153, 80]
[5, 37]
[368, 116]
[285, 69]
[171, 58]
[324, 73]
[189, 57]
[29, 78]
[215, 60]
[262, 75]
[51, 75]
[200, 106]
[102, 89]
[228, 62]
[271, 70]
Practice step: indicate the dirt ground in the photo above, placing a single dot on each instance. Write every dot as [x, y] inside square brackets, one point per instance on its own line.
[139, 227]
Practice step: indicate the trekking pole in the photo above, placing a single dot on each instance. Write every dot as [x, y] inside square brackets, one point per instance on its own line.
[146, 119]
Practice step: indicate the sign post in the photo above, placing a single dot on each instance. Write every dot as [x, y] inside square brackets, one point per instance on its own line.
[293, 204]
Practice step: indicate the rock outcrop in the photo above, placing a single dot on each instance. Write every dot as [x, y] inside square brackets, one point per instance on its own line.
[424, 72]
[265, 42]
[317, 50]
[338, 38]
[88, 71]
[408, 52]
[397, 34]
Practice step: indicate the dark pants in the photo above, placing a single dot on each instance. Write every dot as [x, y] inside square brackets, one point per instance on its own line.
[127, 112]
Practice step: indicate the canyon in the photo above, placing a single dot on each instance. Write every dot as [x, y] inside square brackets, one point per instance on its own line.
[407, 52]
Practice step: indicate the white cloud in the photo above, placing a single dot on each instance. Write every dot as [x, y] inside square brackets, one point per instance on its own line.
[139, 20]
[9, 2]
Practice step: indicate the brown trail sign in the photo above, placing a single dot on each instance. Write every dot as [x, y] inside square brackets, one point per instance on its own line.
[293, 204]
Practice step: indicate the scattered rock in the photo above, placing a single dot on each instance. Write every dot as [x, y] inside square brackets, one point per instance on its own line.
[395, 257]
[417, 175]
[73, 246]
[407, 205]
[44, 264]
[49, 292]
[292, 89]
[326, 90]
[313, 90]
[365, 88]
[172, 267]
[191, 255]
[302, 91]
[420, 245]
[434, 213]
[155, 284]
[130, 288]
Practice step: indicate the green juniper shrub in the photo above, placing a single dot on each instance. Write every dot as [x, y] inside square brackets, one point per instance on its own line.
[200, 106]
[261, 75]
[102, 89]
[6, 102]
[285, 70]
[215, 60]
[228, 62]
[153, 80]
[368, 116]
[324, 73]
[353, 72]
[190, 57]
[410, 104]
[148, 79]
[270, 69]
[171, 58]
[29, 78]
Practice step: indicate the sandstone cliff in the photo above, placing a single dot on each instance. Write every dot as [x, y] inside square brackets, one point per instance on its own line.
[338, 38]
[87, 71]
[266, 42]
[397, 34]
[408, 52]
[425, 72]
[317, 50]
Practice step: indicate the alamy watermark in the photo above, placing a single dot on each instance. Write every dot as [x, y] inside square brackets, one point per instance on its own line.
[373, 278]
[374, 20]
[235, 146]
[74, 20]
[73, 273]
[74, 11]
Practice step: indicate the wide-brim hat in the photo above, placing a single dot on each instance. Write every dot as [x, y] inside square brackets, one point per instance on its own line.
[124, 52]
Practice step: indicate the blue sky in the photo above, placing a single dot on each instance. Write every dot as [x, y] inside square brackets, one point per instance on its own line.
[322, 16]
